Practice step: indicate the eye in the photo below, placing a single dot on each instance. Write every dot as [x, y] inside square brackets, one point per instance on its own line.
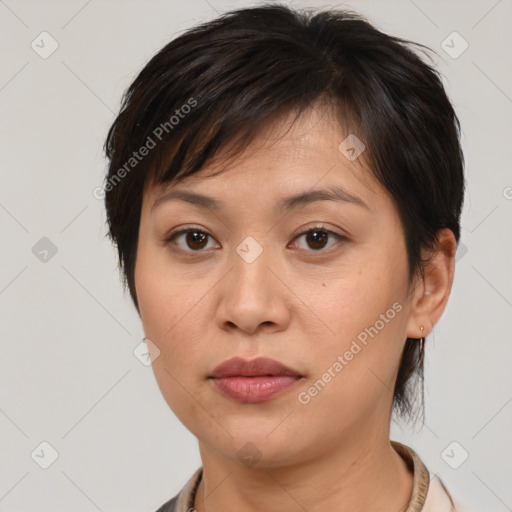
[194, 240]
[317, 238]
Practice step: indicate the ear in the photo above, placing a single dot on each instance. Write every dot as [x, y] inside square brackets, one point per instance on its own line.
[431, 294]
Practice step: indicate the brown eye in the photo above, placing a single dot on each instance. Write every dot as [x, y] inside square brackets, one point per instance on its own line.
[190, 240]
[196, 239]
[319, 238]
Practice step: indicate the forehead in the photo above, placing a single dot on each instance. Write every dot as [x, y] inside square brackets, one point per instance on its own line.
[291, 154]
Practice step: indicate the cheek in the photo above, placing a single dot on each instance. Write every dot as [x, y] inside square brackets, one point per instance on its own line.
[344, 305]
[174, 318]
[170, 322]
[354, 368]
[360, 317]
[160, 310]
[159, 294]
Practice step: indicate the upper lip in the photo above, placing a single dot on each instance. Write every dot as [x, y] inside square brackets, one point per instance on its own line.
[238, 367]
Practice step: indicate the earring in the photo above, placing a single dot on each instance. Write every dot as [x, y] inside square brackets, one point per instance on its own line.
[422, 343]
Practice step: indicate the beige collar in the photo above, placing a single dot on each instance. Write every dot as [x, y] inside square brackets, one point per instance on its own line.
[421, 478]
[185, 501]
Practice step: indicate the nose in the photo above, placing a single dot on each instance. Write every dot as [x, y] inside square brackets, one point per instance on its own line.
[253, 296]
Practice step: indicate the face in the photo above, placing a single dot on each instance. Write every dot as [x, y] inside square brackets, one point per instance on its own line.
[319, 285]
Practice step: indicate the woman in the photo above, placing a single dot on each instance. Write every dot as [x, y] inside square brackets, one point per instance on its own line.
[284, 192]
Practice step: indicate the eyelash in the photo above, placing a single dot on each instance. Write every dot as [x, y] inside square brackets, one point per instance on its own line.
[172, 236]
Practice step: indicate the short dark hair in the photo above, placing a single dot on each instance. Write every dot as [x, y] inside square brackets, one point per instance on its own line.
[221, 82]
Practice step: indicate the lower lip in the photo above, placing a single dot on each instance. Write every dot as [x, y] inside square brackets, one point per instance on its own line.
[251, 390]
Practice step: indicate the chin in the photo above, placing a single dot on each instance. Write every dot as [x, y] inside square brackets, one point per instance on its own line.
[256, 447]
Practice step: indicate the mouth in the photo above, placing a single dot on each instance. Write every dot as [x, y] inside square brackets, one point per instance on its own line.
[259, 367]
[253, 381]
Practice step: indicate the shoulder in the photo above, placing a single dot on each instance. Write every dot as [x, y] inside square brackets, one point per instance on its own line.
[169, 506]
[439, 499]
[184, 500]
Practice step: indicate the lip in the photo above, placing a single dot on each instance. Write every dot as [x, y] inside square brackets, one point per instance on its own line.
[261, 366]
[253, 381]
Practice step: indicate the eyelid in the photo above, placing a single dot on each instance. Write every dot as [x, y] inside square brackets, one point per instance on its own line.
[319, 225]
[174, 234]
[185, 229]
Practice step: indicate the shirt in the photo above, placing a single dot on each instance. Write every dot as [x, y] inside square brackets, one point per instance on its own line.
[428, 493]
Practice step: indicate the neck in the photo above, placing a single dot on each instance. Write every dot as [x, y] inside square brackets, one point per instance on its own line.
[358, 476]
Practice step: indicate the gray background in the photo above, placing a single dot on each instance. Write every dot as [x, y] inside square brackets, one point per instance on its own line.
[68, 373]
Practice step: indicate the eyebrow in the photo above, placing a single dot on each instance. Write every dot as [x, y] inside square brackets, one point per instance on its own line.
[332, 193]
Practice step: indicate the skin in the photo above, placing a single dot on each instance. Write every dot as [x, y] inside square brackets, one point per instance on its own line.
[296, 304]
